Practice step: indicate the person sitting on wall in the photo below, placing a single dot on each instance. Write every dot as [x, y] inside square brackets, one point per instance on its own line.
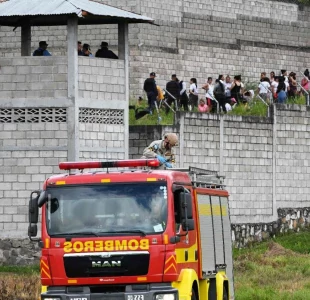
[104, 52]
[41, 51]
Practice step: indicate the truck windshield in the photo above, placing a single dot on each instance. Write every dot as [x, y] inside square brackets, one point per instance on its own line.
[107, 209]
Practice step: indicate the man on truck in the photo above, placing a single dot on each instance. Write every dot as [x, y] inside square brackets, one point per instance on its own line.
[161, 148]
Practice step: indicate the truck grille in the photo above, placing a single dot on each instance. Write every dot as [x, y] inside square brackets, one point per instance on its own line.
[97, 265]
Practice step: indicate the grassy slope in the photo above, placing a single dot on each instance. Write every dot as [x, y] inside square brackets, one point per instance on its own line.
[278, 269]
[255, 108]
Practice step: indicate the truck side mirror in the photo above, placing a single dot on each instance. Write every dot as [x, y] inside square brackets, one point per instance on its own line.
[32, 230]
[188, 225]
[33, 207]
[186, 205]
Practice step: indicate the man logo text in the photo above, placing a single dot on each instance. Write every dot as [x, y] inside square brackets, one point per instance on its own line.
[106, 264]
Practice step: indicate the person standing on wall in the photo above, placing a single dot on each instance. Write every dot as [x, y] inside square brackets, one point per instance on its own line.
[236, 88]
[193, 94]
[183, 96]
[173, 89]
[151, 91]
[219, 92]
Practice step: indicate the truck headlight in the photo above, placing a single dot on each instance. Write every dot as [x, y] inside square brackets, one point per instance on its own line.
[165, 297]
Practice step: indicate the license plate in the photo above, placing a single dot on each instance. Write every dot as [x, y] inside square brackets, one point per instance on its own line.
[135, 297]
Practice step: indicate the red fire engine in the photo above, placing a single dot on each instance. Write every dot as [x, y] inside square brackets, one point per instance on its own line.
[133, 233]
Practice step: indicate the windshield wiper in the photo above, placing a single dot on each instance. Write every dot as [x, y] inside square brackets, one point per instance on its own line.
[75, 233]
[142, 233]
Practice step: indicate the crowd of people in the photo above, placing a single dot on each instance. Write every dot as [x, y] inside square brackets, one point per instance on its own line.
[225, 92]
[82, 50]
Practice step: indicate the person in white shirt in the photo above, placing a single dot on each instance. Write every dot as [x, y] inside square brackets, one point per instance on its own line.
[263, 88]
[211, 88]
[274, 85]
[287, 85]
[193, 94]
[227, 84]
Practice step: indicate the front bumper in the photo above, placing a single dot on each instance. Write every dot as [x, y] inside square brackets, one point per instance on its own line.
[104, 292]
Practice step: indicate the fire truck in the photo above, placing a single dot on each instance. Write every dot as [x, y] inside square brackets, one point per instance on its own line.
[126, 230]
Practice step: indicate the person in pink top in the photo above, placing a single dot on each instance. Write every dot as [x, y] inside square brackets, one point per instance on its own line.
[305, 82]
[203, 107]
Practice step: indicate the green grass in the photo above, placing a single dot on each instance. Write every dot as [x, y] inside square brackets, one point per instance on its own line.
[255, 108]
[20, 269]
[277, 269]
[152, 119]
[301, 100]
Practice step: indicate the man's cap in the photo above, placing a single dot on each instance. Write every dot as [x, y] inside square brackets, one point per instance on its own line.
[153, 74]
[86, 46]
[174, 75]
[104, 44]
[283, 71]
[43, 43]
[80, 43]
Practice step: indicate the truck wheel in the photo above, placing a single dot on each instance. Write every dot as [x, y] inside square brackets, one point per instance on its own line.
[225, 296]
[193, 295]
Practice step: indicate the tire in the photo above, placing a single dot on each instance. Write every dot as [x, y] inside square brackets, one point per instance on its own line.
[193, 295]
[225, 295]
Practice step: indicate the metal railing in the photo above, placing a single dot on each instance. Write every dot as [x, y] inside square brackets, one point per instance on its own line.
[306, 92]
[268, 106]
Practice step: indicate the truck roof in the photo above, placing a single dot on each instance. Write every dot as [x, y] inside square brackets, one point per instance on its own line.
[120, 176]
[138, 170]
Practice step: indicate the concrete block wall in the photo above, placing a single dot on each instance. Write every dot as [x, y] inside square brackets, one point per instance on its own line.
[292, 156]
[35, 77]
[29, 154]
[265, 160]
[261, 8]
[37, 120]
[101, 141]
[102, 79]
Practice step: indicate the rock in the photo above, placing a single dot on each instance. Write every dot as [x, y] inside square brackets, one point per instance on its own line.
[14, 252]
[6, 254]
[5, 245]
[16, 243]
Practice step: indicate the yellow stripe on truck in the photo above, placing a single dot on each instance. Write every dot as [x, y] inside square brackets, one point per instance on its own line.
[205, 210]
[180, 254]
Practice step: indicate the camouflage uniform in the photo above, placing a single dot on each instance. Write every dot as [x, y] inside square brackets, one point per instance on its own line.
[158, 148]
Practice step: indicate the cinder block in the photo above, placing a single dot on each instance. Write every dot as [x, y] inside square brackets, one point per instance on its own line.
[6, 218]
[9, 226]
[20, 218]
[10, 210]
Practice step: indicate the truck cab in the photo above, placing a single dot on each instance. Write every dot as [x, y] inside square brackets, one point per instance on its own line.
[133, 232]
